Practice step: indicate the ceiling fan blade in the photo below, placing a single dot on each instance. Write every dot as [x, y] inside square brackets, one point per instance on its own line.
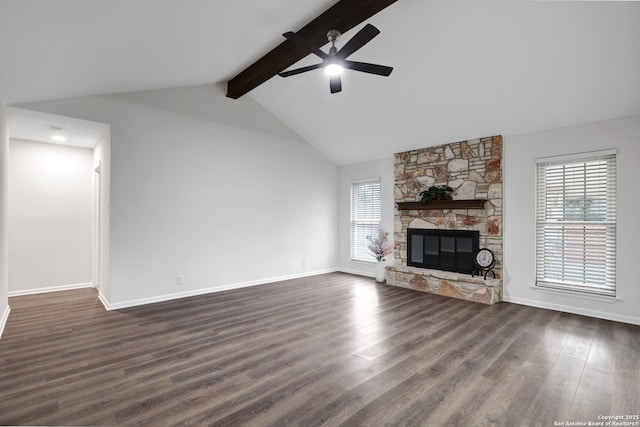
[300, 70]
[335, 84]
[361, 38]
[300, 41]
[380, 70]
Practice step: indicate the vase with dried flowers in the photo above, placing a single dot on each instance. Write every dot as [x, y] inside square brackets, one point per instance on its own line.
[380, 246]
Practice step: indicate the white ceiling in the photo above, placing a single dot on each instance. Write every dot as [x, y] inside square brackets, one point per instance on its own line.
[36, 126]
[463, 69]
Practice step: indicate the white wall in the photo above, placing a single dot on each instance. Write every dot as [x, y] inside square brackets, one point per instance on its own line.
[214, 189]
[50, 215]
[382, 169]
[4, 227]
[519, 258]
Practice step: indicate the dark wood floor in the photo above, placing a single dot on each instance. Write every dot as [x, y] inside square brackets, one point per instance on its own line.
[334, 349]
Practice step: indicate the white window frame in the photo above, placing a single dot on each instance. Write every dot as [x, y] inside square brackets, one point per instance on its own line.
[576, 223]
[364, 220]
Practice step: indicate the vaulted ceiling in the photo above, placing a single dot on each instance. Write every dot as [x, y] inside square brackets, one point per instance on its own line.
[462, 69]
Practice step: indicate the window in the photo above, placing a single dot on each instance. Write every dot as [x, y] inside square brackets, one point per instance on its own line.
[576, 223]
[365, 217]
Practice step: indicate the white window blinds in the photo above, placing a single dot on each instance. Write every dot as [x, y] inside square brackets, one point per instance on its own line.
[365, 217]
[576, 223]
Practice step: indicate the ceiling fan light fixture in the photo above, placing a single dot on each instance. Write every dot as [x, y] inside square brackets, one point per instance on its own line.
[336, 60]
[333, 69]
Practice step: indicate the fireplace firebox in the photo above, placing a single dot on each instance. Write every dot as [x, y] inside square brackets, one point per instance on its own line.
[448, 250]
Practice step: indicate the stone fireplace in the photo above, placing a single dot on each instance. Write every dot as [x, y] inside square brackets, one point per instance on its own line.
[473, 169]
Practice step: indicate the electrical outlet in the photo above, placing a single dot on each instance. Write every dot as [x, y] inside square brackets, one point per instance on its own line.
[180, 280]
[304, 264]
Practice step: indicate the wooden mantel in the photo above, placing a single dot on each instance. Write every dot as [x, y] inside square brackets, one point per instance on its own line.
[442, 204]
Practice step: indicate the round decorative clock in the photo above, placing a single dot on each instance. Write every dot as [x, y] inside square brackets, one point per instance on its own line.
[485, 261]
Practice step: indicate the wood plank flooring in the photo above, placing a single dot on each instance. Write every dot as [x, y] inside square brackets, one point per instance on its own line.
[332, 350]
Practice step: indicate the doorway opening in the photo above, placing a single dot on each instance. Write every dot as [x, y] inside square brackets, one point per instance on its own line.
[59, 194]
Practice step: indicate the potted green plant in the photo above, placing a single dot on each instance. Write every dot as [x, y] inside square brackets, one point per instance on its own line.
[437, 192]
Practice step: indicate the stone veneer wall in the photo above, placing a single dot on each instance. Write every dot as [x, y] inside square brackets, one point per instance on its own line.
[474, 170]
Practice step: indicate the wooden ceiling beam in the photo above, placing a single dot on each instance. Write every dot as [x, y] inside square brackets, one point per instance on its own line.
[342, 16]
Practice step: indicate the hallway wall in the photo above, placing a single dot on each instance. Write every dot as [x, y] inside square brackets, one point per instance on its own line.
[50, 216]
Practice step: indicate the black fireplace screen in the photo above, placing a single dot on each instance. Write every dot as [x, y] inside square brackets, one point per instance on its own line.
[449, 250]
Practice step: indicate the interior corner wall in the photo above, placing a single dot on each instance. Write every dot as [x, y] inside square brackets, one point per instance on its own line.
[50, 216]
[4, 227]
[214, 190]
[520, 156]
[382, 169]
[102, 158]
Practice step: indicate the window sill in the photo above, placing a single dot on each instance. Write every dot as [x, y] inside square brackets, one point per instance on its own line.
[576, 294]
[363, 261]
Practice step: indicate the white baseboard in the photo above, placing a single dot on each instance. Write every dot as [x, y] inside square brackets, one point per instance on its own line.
[575, 310]
[202, 291]
[357, 272]
[103, 300]
[3, 320]
[50, 289]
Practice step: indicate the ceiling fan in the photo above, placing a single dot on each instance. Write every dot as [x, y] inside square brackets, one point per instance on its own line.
[336, 60]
